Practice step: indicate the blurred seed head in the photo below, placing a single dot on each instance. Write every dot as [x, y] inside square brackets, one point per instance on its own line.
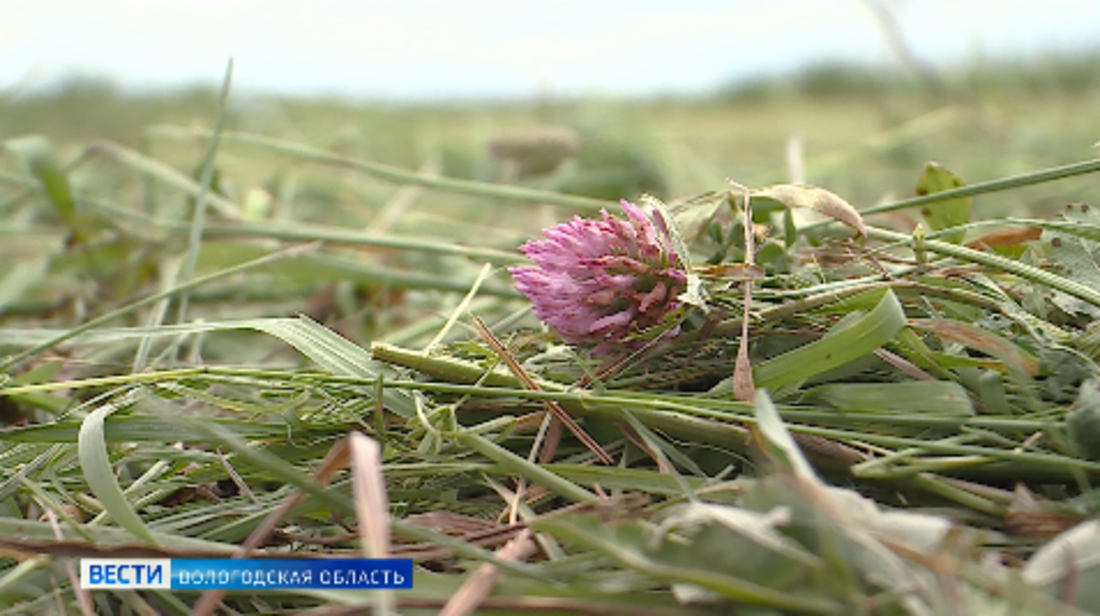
[536, 151]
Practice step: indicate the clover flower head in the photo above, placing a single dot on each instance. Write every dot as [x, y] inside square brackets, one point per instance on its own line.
[596, 282]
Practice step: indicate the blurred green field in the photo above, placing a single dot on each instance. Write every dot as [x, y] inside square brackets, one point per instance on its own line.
[863, 135]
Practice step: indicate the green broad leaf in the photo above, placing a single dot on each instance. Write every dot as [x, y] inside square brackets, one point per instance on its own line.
[1073, 246]
[991, 391]
[790, 229]
[922, 397]
[322, 345]
[817, 199]
[777, 442]
[98, 472]
[943, 214]
[860, 337]
[41, 159]
[1068, 567]
[1083, 421]
[1078, 219]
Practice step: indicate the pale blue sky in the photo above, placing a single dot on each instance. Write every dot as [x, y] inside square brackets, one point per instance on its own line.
[408, 49]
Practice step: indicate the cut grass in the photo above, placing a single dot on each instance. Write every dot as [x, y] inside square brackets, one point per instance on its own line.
[145, 437]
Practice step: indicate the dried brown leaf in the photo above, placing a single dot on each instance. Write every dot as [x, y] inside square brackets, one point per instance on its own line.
[737, 272]
[817, 199]
[479, 585]
[1008, 237]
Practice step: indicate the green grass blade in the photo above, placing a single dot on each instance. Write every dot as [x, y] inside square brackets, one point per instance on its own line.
[395, 174]
[273, 464]
[1023, 270]
[198, 217]
[94, 460]
[923, 397]
[137, 305]
[530, 471]
[859, 338]
[163, 173]
[310, 232]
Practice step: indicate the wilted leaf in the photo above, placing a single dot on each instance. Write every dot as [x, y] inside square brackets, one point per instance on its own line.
[695, 294]
[745, 543]
[943, 214]
[760, 528]
[744, 389]
[1027, 517]
[715, 558]
[1008, 238]
[921, 530]
[1069, 562]
[1011, 355]
[817, 199]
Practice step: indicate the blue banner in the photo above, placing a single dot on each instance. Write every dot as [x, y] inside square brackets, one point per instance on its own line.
[246, 573]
